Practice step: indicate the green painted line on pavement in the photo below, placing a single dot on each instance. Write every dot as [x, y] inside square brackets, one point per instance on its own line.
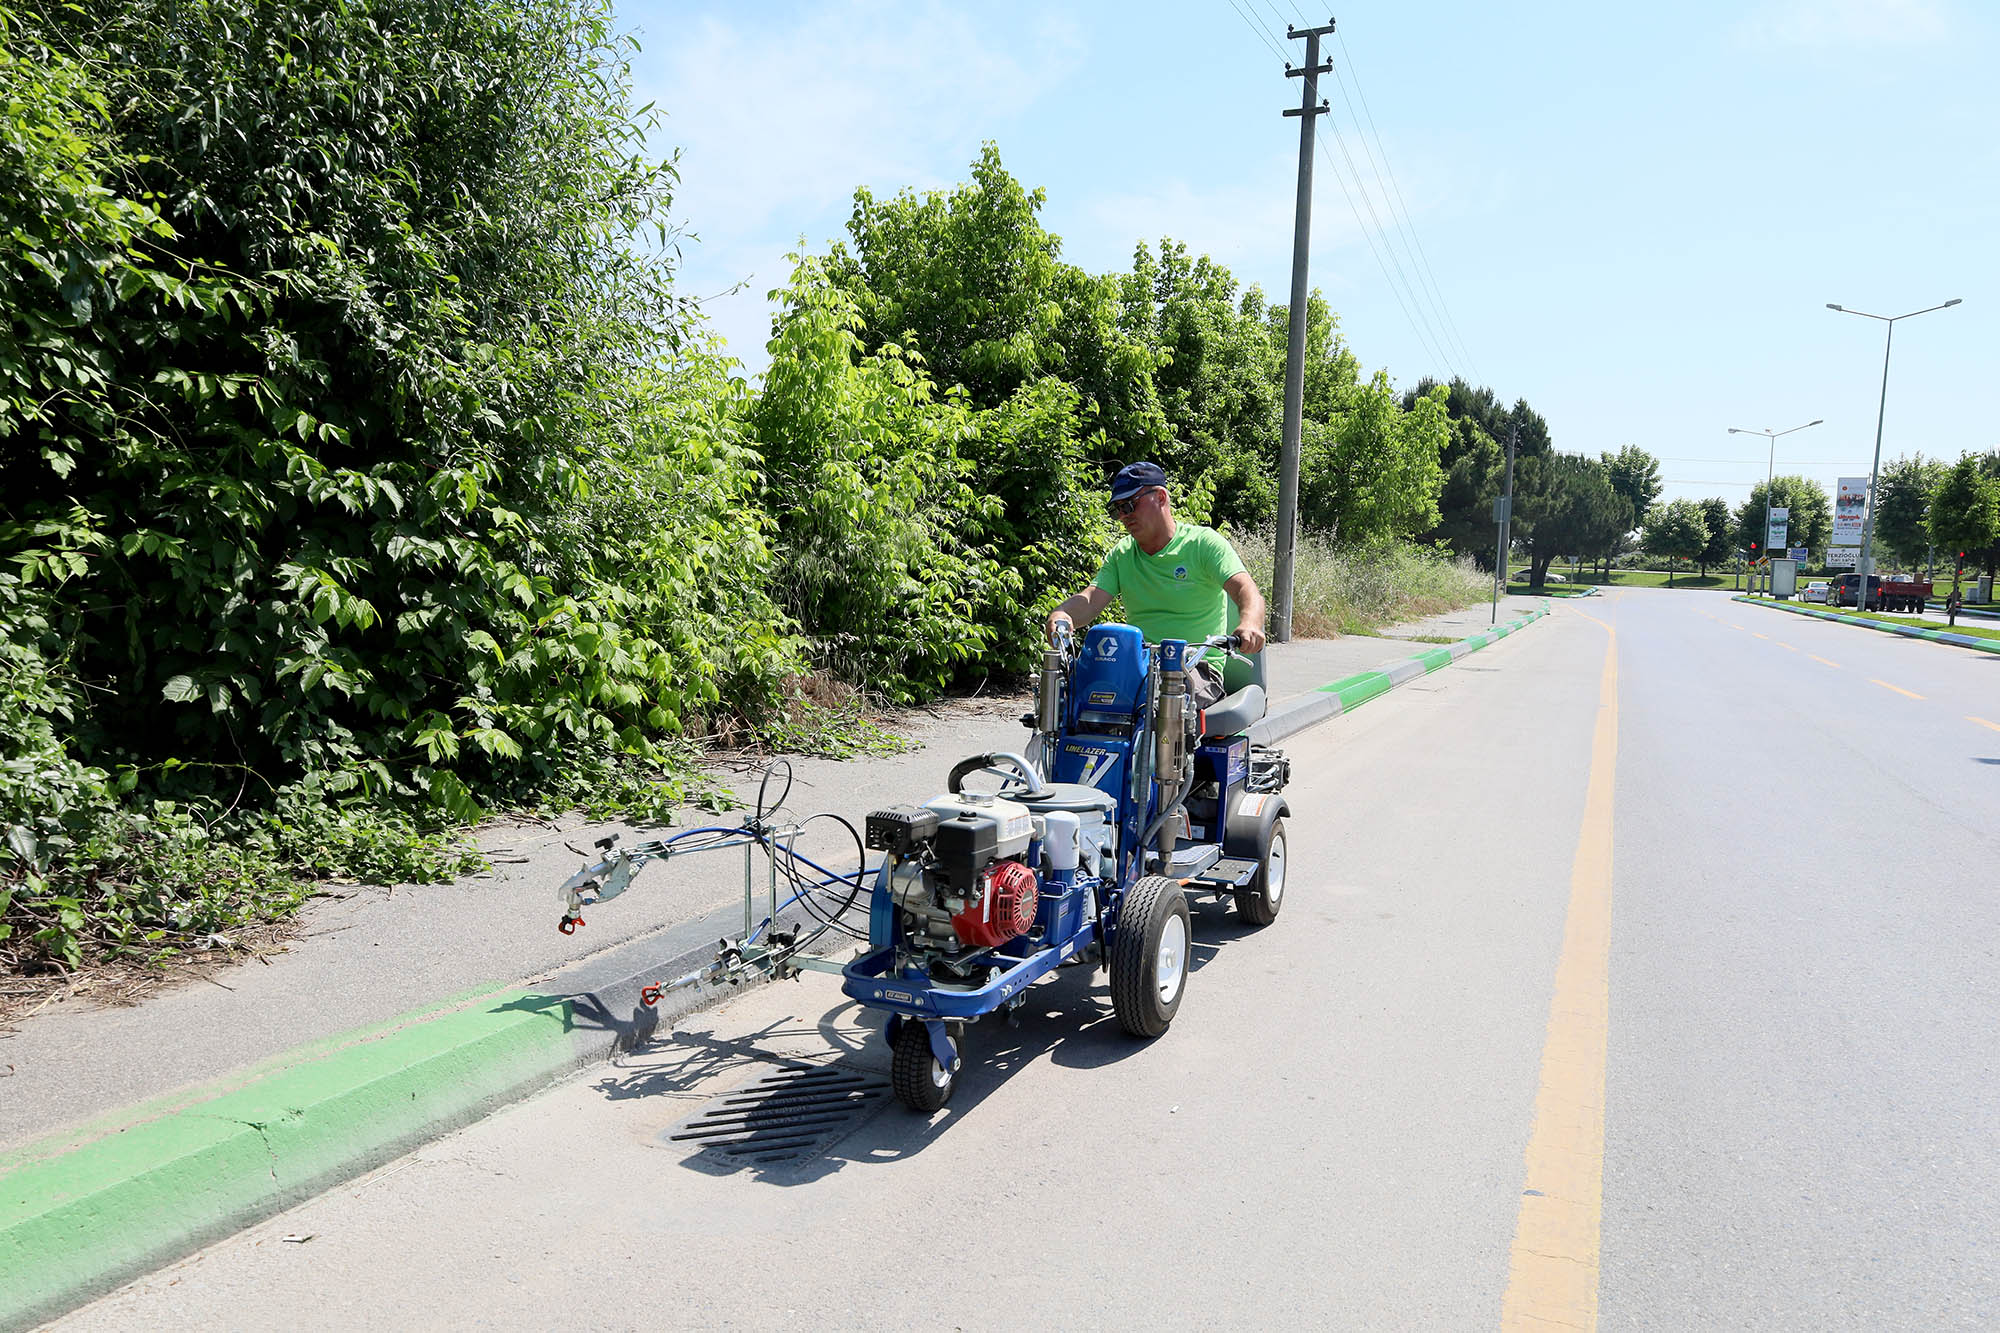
[85, 1220]
[1435, 659]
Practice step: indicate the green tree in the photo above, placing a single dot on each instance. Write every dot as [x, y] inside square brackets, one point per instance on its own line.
[1902, 507]
[1567, 507]
[971, 284]
[1721, 531]
[1677, 530]
[1965, 513]
[1474, 462]
[1371, 473]
[1811, 522]
[1635, 474]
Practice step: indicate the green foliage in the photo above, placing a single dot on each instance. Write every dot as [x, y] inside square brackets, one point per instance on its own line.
[1718, 549]
[1635, 475]
[1965, 512]
[1811, 517]
[872, 501]
[1902, 507]
[1565, 504]
[363, 469]
[1677, 530]
[1371, 472]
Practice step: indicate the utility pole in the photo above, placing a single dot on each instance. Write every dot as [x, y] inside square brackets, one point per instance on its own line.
[1295, 350]
[1503, 513]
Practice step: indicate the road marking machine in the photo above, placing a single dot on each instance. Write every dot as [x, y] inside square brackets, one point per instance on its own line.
[1084, 851]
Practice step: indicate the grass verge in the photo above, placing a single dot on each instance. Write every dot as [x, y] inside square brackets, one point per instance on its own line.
[1359, 589]
[1970, 631]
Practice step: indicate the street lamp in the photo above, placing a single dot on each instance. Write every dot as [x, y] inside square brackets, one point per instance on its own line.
[1868, 523]
[1770, 474]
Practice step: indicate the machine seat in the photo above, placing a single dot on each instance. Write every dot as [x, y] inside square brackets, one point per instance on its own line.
[1233, 714]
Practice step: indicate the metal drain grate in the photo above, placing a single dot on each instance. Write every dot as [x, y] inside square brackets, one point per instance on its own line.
[782, 1117]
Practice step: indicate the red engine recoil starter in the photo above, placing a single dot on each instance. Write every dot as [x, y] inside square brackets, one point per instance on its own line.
[1006, 908]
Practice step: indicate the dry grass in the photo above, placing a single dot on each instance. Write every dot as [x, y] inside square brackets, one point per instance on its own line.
[1358, 590]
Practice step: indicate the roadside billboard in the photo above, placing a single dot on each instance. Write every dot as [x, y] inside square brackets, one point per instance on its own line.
[1843, 557]
[1850, 507]
[1781, 519]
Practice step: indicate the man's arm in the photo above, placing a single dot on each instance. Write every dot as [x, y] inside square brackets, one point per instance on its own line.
[1242, 590]
[1083, 607]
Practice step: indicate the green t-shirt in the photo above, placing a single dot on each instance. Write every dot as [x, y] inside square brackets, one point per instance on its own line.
[1175, 593]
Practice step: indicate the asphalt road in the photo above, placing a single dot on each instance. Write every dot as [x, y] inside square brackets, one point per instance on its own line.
[1677, 895]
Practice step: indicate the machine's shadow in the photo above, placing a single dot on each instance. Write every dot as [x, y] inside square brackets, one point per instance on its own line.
[1068, 1020]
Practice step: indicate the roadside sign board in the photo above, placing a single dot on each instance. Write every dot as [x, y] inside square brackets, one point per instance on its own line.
[1843, 557]
[1502, 505]
[1850, 506]
[1781, 521]
[1798, 553]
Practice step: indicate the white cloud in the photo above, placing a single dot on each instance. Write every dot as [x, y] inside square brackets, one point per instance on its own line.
[1846, 23]
[777, 123]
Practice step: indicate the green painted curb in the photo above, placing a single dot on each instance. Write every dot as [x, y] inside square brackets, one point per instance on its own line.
[1353, 691]
[79, 1219]
[1337, 697]
[1944, 636]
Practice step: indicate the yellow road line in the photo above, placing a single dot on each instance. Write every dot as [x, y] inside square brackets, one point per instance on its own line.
[1552, 1269]
[1982, 722]
[1755, 635]
[1823, 662]
[1786, 646]
[1897, 688]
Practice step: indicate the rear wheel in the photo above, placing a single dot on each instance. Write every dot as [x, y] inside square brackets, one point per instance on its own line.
[1149, 957]
[1259, 901]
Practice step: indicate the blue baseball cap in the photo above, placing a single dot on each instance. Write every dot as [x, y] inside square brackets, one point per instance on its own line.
[1136, 477]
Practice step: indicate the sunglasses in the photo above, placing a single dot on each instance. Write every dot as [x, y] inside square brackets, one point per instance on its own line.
[1120, 508]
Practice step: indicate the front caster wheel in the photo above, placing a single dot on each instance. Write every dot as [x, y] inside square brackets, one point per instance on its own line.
[922, 1082]
[1149, 956]
[1259, 901]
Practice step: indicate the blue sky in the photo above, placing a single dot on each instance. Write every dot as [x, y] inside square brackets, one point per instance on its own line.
[1631, 216]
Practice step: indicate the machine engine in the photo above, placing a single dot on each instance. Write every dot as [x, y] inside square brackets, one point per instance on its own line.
[957, 875]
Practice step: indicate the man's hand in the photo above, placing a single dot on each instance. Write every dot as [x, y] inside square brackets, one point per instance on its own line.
[1253, 638]
[1086, 604]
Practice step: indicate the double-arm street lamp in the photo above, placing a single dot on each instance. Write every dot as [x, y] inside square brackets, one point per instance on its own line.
[1868, 524]
[1770, 475]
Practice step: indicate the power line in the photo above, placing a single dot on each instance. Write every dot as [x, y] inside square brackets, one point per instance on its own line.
[1387, 277]
[1413, 308]
[1412, 243]
[1436, 292]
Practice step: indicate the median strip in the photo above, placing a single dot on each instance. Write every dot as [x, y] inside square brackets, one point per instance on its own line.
[1907, 631]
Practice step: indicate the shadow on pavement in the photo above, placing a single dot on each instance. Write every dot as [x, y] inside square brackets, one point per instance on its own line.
[1067, 1020]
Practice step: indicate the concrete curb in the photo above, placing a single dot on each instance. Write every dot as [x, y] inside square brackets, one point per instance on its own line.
[91, 1207]
[1907, 631]
[1350, 692]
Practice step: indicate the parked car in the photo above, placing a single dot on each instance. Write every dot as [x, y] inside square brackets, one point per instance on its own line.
[1814, 592]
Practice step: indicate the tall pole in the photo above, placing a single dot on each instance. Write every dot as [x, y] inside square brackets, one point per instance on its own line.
[1506, 526]
[1875, 468]
[1770, 482]
[1295, 347]
[1868, 511]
